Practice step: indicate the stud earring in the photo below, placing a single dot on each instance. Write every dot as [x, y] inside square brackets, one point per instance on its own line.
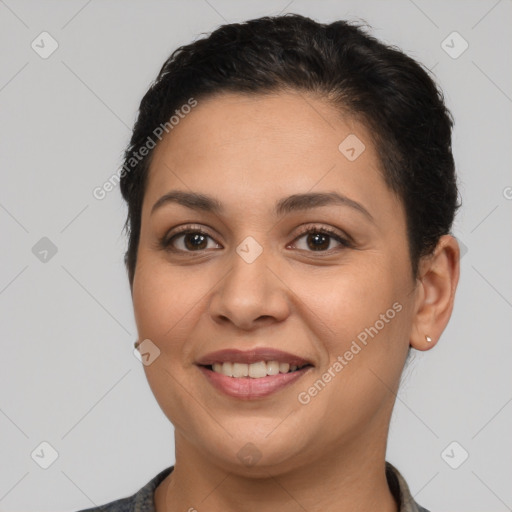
[429, 339]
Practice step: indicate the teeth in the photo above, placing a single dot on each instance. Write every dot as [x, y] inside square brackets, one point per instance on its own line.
[284, 367]
[240, 370]
[227, 369]
[257, 370]
[254, 370]
[272, 368]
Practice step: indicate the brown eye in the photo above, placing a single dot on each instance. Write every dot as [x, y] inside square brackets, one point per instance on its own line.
[189, 241]
[194, 241]
[320, 239]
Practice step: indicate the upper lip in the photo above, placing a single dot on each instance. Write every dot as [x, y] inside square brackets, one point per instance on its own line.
[255, 355]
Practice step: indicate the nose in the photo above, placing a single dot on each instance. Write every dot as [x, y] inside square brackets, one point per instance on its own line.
[251, 294]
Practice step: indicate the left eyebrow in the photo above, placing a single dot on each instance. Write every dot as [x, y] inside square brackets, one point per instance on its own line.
[311, 200]
[295, 202]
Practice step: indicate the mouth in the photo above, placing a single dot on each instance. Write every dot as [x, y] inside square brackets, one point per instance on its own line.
[252, 374]
[257, 370]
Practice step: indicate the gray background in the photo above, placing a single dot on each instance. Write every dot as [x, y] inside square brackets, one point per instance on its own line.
[68, 376]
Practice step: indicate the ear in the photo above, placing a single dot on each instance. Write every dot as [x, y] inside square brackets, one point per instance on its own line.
[438, 276]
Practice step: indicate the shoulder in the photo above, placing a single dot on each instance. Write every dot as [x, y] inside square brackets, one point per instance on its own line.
[141, 501]
[400, 491]
[122, 505]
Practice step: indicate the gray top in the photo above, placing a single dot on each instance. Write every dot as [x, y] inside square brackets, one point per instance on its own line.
[142, 500]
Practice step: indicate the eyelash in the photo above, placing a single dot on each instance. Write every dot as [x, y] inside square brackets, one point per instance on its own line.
[166, 242]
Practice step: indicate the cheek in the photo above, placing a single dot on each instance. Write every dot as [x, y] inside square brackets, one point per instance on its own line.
[163, 297]
[347, 299]
[360, 318]
[165, 302]
[361, 314]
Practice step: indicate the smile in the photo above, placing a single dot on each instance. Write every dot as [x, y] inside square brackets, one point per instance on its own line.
[252, 374]
[255, 370]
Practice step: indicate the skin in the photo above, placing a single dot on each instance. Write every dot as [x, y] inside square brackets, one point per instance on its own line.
[248, 152]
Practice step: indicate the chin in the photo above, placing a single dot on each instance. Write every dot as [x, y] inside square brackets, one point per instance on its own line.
[252, 452]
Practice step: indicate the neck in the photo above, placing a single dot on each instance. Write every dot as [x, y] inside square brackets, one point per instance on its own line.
[336, 482]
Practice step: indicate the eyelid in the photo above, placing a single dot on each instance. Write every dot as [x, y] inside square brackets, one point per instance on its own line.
[342, 238]
[165, 241]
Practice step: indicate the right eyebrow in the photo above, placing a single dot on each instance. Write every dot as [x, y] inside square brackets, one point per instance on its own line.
[190, 200]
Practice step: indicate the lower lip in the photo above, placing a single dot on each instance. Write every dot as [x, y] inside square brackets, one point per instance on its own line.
[247, 388]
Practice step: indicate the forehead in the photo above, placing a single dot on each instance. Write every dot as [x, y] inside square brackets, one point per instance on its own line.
[265, 147]
[291, 125]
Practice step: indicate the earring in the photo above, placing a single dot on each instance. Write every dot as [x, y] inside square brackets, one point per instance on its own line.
[429, 339]
[136, 344]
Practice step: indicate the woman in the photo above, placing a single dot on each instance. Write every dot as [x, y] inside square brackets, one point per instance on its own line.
[290, 190]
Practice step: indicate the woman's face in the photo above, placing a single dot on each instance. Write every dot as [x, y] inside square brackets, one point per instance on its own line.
[247, 279]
